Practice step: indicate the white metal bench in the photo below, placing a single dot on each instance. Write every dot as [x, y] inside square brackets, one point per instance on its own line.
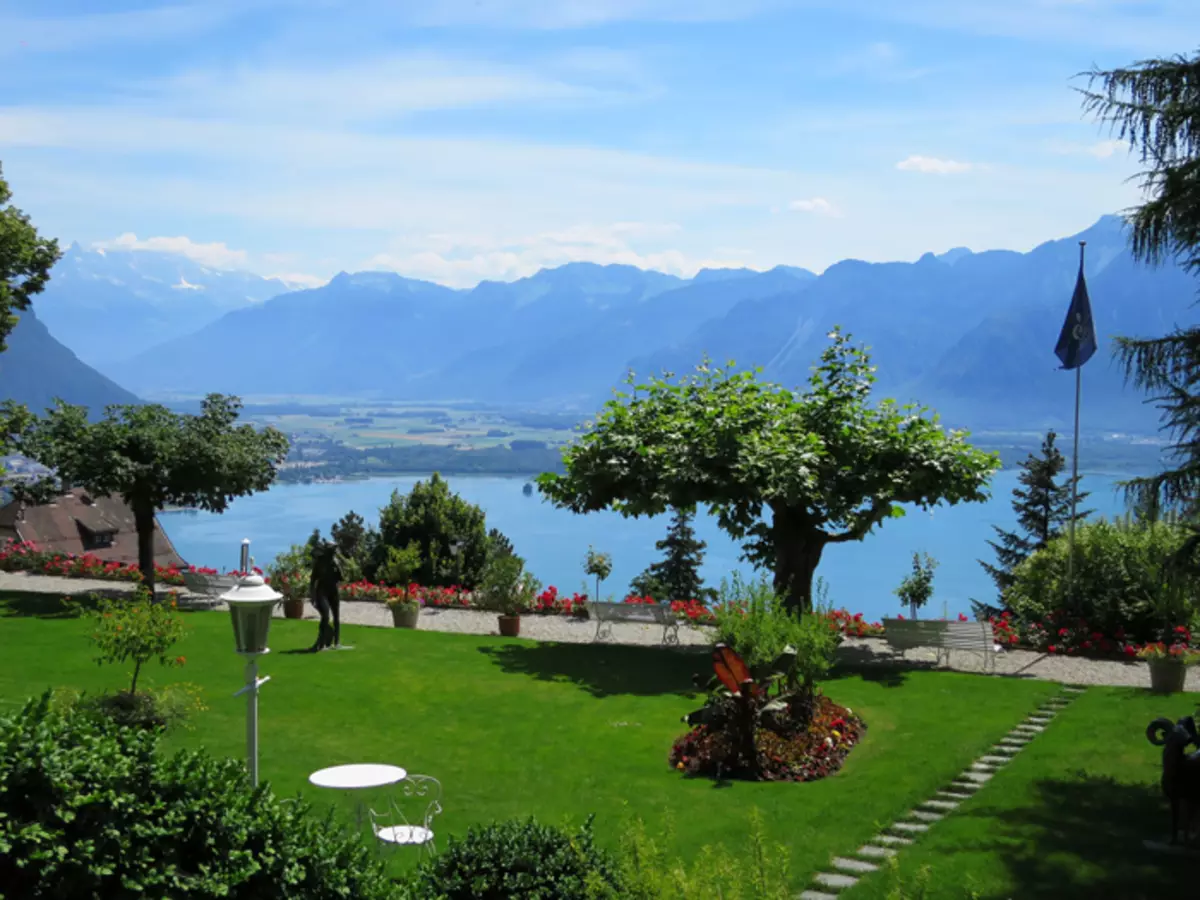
[606, 613]
[210, 587]
[973, 637]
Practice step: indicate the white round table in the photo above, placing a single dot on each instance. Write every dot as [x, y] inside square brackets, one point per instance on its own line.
[355, 777]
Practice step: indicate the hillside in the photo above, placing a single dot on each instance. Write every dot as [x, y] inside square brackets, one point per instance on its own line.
[110, 305]
[969, 334]
[36, 369]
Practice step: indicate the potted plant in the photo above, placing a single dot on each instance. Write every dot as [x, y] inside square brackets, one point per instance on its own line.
[398, 569]
[1169, 663]
[405, 608]
[508, 590]
[288, 574]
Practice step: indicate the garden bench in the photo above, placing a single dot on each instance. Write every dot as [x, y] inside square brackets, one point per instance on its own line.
[208, 586]
[974, 637]
[606, 613]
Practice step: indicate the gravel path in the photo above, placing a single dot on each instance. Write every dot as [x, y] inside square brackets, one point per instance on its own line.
[859, 651]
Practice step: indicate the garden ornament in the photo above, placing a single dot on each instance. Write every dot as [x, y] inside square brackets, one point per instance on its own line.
[323, 589]
[1180, 771]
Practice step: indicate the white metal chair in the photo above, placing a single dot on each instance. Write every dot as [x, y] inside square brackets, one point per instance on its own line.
[393, 826]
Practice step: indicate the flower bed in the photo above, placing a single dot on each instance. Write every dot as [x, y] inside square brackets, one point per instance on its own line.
[1062, 635]
[817, 752]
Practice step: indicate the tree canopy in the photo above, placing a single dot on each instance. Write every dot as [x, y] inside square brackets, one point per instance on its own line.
[151, 457]
[25, 262]
[824, 466]
[1155, 105]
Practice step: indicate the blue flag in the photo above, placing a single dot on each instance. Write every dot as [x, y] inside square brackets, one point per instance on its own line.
[1077, 340]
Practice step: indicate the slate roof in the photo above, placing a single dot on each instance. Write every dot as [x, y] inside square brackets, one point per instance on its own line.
[62, 526]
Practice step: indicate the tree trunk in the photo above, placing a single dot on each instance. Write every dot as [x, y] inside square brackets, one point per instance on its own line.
[798, 550]
[143, 517]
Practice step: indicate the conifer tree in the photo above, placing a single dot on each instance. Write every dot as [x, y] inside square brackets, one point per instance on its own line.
[677, 574]
[1043, 508]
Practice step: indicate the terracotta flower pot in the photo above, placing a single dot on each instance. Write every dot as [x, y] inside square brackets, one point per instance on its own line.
[293, 608]
[510, 626]
[1167, 676]
[405, 616]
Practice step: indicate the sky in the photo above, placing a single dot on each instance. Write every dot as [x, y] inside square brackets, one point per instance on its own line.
[461, 140]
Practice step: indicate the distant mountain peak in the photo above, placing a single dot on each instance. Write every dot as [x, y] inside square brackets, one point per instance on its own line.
[954, 254]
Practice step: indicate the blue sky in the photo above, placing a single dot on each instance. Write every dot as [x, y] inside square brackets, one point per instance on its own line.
[458, 140]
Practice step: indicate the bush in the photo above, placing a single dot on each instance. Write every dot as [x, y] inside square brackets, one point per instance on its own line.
[1121, 588]
[289, 572]
[435, 518]
[88, 809]
[753, 620]
[716, 874]
[917, 587]
[139, 631]
[521, 858]
[163, 708]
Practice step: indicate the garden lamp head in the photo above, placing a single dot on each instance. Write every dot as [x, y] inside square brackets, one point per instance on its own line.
[251, 602]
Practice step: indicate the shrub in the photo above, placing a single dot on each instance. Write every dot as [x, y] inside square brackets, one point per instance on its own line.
[401, 565]
[138, 630]
[752, 620]
[1120, 584]
[289, 572]
[436, 518]
[917, 587]
[716, 874]
[507, 588]
[521, 859]
[165, 708]
[88, 809]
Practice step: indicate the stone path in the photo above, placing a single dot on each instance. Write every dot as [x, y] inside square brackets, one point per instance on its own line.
[847, 870]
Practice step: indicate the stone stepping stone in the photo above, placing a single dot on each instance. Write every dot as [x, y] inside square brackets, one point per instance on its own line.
[1026, 728]
[872, 852]
[853, 865]
[966, 785]
[954, 795]
[984, 767]
[941, 804]
[925, 816]
[892, 840]
[816, 895]
[835, 880]
[910, 827]
[1009, 750]
[1014, 744]
[1073, 689]
[994, 760]
[979, 777]
[1041, 720]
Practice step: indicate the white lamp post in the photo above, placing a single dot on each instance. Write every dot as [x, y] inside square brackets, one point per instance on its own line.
[251, 602]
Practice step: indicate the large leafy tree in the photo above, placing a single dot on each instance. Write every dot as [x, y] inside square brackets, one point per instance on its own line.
[1155, 105]
[435, 519]
[151, 457]
[786, 473]
[1043, 508]
[25, 262]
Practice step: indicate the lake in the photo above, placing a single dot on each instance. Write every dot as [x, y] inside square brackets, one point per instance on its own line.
[861, 576]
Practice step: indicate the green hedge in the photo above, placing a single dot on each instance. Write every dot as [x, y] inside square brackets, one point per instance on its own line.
[1119, 581]
[89, 809]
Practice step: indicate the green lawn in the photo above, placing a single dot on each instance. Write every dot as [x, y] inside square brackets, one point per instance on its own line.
[512, 727]
[1065, 820]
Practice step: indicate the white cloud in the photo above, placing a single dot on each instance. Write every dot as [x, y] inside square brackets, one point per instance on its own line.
[216, 255]
[561, 14]
[880, 60]
[1099, 149]
[930, 165]
[298, 280]
[817, 205]
[466, 259]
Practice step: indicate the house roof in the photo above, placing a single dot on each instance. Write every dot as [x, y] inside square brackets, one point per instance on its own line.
[59, 526]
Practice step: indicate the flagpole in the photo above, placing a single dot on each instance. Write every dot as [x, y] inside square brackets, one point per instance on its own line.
[1074, 467]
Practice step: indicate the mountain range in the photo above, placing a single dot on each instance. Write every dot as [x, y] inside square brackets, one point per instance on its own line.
[968, 334]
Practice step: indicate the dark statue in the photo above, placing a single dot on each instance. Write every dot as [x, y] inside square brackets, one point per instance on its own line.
[1180, 770]
[323, 589]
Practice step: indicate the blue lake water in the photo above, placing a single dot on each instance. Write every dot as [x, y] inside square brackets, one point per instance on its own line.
[861, 576]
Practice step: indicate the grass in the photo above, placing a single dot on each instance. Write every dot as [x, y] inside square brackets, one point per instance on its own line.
[513, 727]
[1065, 820]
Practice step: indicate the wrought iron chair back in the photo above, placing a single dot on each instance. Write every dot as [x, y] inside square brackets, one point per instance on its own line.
[418, 796]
